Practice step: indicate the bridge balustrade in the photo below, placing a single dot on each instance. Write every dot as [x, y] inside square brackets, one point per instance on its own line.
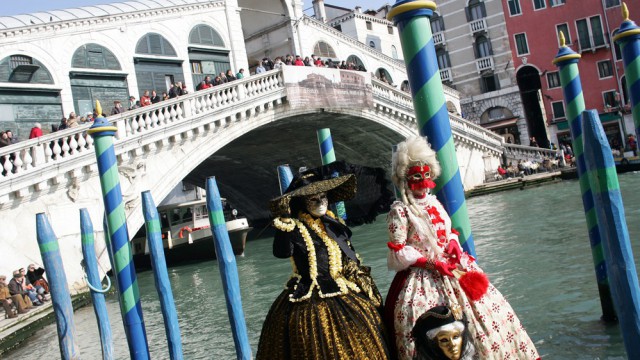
[36, 164]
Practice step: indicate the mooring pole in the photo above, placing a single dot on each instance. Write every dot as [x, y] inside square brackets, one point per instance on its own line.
[328, 155]
[161, 275]
[93, 278]
[567, 63]
[62, 307]
[613, 230]
[228, 270]
[412, 18]
[628, 37]
[125, 273]
[284, 177]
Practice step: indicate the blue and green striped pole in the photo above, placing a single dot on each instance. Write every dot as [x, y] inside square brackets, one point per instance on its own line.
[623, 276]
[62, 307]
[93, 278]
[228, 270]
[284, 177]
[161, 275]
[628, 37]
[328, 155]
[102, 132]
[567, 62]
[412, 18]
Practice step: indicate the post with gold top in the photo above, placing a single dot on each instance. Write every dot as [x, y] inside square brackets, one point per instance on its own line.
[412, 18]
[628, 38]
[125, 273]
[567, 63]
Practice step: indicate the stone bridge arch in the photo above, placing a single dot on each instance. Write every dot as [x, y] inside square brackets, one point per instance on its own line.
[157, 146]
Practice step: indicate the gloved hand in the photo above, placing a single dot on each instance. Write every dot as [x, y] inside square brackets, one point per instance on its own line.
[453, 249]
[444, 268]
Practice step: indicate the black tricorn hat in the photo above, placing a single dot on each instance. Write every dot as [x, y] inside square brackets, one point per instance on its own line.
[434, 318]
[315, 181]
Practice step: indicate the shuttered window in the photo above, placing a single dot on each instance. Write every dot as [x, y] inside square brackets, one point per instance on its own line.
[155, 44]
[94, 56]
[205, 35]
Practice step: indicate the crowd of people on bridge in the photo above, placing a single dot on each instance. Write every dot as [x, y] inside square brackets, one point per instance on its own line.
[25, 290]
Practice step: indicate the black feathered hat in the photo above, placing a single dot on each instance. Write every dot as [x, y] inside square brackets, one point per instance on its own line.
[315, 181]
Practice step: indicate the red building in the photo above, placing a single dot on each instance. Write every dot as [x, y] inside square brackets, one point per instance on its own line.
[588, 25]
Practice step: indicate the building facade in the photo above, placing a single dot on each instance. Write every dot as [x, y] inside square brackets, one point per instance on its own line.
[473, 54]
[588, 26]
[58, 62]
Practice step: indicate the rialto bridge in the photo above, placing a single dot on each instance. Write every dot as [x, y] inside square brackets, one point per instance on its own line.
[238, 132]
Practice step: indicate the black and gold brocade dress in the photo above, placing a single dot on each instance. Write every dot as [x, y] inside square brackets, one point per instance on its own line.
[330, 307]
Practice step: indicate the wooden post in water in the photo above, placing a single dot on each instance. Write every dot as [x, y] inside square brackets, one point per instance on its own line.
[93, 279]
[62, 307]
[102, 133]
[567, 62]
[413, 20]
[228, 270]
[161, 276]
[623, 277]
[328, 155]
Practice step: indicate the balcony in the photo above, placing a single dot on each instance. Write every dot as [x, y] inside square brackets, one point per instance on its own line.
[438, 38]
[446, 75]
[477, 26]
[485, 63]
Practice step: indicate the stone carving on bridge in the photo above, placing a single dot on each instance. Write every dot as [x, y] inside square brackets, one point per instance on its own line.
[134, 174]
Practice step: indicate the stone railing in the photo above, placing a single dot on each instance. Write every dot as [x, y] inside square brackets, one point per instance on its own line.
[478, 25]
[485, 63]
[438, 38]
[400, 101]
[37, 164]
[446, 74]
[50, 158]
[515, 153]
[354, 42]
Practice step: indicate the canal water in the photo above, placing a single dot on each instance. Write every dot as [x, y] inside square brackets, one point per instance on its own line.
[532, 243]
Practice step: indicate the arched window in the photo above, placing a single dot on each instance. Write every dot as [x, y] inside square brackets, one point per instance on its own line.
[437, 23]
[443, 59]
[324, 50]
[205, 35]
[384, 76]
[356, 61]
[483, 47]
[394, 52]
[475, 10]
[155, 44]
[94, 56]
[24, 69]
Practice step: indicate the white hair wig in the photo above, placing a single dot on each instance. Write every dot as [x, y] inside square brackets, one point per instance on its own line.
[414, 151]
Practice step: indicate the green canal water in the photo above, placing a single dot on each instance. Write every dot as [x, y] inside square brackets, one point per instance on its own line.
[532, 243]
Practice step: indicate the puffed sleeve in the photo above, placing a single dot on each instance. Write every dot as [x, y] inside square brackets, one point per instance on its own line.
[283, 238]
[401, 255]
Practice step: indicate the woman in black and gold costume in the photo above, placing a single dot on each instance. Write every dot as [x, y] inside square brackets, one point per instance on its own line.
[330, 307]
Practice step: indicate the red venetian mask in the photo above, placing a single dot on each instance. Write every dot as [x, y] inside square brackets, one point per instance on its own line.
[419, 177]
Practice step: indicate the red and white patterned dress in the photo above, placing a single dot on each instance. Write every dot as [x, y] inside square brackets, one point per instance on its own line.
[494, 326]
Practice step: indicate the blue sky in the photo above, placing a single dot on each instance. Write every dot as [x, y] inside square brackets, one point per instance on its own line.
[31, 6]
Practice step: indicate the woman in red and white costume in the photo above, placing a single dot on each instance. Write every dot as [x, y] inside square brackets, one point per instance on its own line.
[432, 270]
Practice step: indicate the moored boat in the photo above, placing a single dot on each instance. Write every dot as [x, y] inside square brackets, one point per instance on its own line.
[186, 233]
